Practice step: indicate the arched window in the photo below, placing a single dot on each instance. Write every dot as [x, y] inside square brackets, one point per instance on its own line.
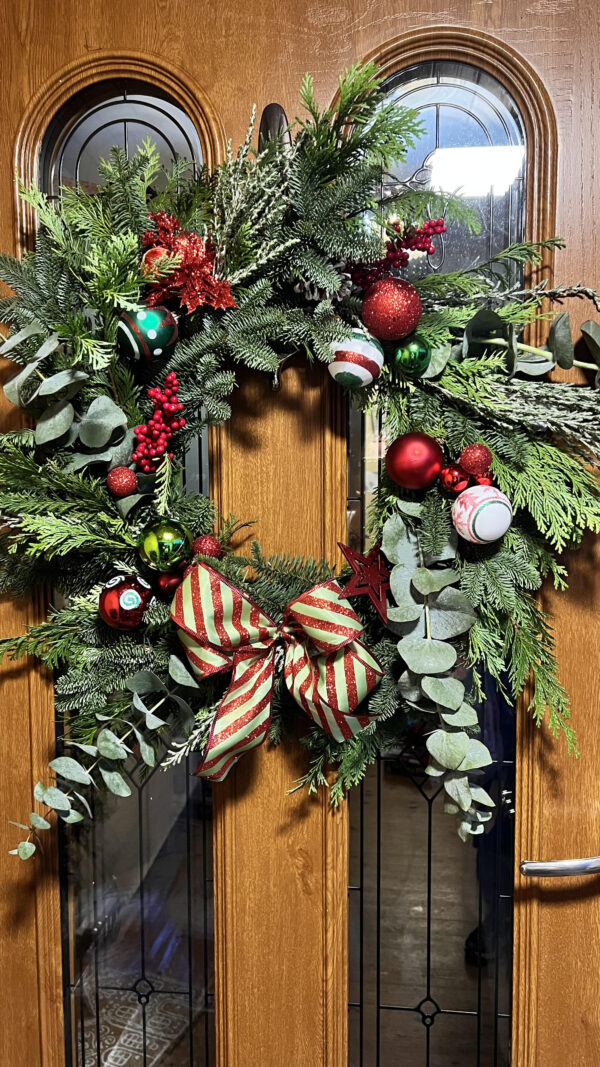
[136, 889]
[430, 931]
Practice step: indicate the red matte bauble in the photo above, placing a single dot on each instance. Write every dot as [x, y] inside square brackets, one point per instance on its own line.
[484, 479]
[476, 459]
[391, 309]
[167, 584]
[121, 481]
[123, 601]
[454, 479]
[207, 545]
[414, 460]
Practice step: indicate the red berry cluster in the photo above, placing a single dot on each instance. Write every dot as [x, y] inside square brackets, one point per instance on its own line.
[153, 438]
[409, 239]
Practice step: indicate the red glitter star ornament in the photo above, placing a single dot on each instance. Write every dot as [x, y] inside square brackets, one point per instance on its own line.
[371, 577]
[193, 282]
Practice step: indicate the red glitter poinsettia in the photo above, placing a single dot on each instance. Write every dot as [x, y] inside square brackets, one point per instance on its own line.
[193, 282]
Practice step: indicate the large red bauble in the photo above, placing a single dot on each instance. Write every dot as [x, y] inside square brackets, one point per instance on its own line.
[476, 459]
[414, 460]
[391, 309]
[123, 601]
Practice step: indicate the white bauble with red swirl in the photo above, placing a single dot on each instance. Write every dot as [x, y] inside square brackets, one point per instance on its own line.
[482, 514]
[357, 362]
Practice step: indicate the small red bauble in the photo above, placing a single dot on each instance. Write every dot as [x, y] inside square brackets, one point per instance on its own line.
[123, 601]
[121, 481]
[391, 309]
[414, 460]
[476, 459]
[207, 545]
[152, 256]
[484, 479]
[167, 584]
[454, 479]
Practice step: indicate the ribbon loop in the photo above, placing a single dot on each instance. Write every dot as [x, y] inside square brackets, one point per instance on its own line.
[327, 670]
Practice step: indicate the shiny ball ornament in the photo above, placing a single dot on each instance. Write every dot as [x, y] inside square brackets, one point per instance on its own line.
[121, 481]
[168, 584]
[207, 545]
[476, 459]
[357, 362]
[414, 460]
[412, 358]
[391, 309]
[150, 332]
[483, 479]
[123, 602]
[482, 514]
[152, 257]
[453, 479]
[165, 545]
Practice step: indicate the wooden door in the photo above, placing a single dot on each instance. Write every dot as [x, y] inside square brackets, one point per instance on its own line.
[280, 877]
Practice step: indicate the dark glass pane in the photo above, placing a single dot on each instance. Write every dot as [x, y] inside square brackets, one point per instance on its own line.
[137, 883]
[430, 917]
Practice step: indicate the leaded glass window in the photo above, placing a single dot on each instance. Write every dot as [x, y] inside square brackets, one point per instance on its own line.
[430, 930]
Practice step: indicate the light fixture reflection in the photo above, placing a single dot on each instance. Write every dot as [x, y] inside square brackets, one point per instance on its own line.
[476, 171]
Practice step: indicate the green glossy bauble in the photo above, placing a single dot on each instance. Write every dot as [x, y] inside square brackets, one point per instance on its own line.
[152, 331]
[413, 357]
[165, 545]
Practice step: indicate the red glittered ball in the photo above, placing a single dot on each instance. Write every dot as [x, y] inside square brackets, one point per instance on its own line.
[121, 481]
[484, 479]
[476, 459]
[207, 545]
[123, 601]
[153, 256]
[167, 584]
[454, 479]
[414, 460]
[391, 309]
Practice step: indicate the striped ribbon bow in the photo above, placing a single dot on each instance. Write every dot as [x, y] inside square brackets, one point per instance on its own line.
[326, 669]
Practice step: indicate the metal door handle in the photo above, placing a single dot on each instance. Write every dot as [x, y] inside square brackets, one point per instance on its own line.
[560, 868]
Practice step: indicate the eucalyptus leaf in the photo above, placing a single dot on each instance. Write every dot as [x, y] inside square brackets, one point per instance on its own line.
[54, 423]
[180, 674]
[458, 788]
[84, 803]
[467, 829]
[398, 544]
[425, 656]
[450, 613]
[439, 358]
[111, 746]
[12, 388]
[448, 749]
[90, 750]
[146, 751]
[145, 682]
[21, 825]
[71, 816]
[86, 459]
[408, 686]
[65, 384]
[15, 339]
[120, 454]
[451, 808]
[477, 756]
[465, 715]
[591, 335]
[434, 770]
[426, 581]
[128, 503]
[534, 366]
[409, 507]
[406, 609]
[39, 791]
[114, 781]
[484, 325]
[25, 850]
[69, 768]
[480, 796]
[560, 341]
[101, 420]
[47, 347]
[448, 692]
[55, 798]
[38, 821]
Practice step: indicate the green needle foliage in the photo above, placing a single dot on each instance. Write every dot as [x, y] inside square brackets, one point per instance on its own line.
[282, 227]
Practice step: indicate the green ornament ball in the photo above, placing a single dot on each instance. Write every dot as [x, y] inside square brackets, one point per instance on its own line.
[149, 332]
[165, 545]
[413, 357]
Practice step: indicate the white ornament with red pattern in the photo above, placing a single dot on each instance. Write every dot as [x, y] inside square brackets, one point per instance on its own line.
[357, 362]
[482, 514]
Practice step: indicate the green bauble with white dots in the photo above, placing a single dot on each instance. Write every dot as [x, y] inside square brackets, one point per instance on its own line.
[165, 545]
[147, 333]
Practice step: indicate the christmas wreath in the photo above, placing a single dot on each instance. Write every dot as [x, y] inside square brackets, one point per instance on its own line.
[127, 322]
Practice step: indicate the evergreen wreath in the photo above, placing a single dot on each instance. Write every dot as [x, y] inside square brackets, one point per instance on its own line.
[135, 307]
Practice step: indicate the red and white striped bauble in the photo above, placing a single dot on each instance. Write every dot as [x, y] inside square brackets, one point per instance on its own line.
[482, 514]
[357, 361]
